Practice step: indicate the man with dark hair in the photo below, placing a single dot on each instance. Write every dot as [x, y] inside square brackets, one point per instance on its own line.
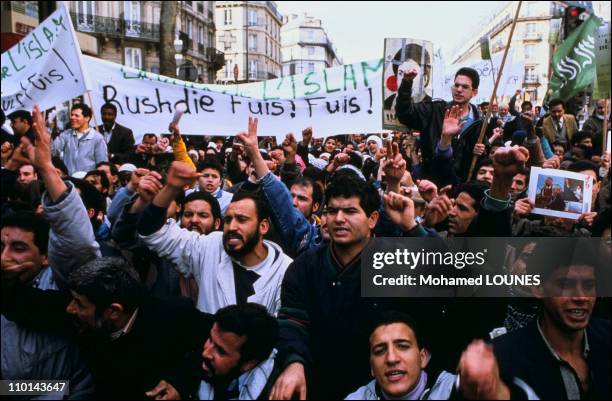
[398, 358]
[594, 124]
[21, 124]
[130, 340]
[27, 174]
[307, 198]
[28, 354]
[238, 357]
[98, 180]
[565, 352]
[247, 267]
[427, 118]
[211, 181]
[559, 126]
[81, 147]
[484, 170]
[119, 139]
[112, 173]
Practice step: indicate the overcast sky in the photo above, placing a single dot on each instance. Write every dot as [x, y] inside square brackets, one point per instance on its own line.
[358, 29]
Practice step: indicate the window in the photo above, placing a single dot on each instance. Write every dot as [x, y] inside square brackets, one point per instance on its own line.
[292, 69]
[253, 69]
[227, 20]
[252, 18]
[252, 42]
[131, 11]
[189, 29]
[531, 31]
[133, 57]
[529, 51]
[530, 75]
[200, 34]
[311, 50]
[311, 67]
[266, 45]
[85, 15]
[310, 34]
[228, 69]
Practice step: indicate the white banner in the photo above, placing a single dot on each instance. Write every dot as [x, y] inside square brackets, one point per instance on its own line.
[339, 100]
[512, 77]
[45, 67]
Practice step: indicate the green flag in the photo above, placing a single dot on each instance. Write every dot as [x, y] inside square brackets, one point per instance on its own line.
[574, 61]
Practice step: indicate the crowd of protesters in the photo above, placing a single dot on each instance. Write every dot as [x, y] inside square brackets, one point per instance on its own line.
[230, 268]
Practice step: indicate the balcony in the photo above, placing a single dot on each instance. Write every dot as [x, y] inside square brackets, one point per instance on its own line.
[261, 75]
[532, 80]
[532, 36]
[218, 59]
[115, 27]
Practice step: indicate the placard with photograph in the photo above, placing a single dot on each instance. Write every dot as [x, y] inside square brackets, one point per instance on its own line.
[560, 193]
[403, 54]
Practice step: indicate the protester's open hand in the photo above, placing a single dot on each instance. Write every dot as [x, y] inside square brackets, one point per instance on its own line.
[508, 161]
[149, 186]
[291, 382]
[479, 374]
[452, 124]
[249, 139]
[523, 207]
[395, 165]
[180, 175]
[400, 210]
[437, 210]
[427, 189]
[163, 391]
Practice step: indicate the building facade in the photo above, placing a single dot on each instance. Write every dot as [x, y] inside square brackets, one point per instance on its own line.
[127, 32]
[534, 39]
[248, 32]
[306, 46]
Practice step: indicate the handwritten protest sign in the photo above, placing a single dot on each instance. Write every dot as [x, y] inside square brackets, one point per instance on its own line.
[512, 78]
[45, 67]
[403, 54]
[337, 100]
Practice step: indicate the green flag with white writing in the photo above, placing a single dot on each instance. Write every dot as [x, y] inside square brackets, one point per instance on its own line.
[574, 61]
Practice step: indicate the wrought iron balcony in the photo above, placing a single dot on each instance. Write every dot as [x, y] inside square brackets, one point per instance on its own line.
[115, 27]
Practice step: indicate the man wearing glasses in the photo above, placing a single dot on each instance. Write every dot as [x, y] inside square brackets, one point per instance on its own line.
[427, 117]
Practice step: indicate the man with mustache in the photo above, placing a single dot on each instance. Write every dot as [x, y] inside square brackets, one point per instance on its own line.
[237, 359]
[233, 267]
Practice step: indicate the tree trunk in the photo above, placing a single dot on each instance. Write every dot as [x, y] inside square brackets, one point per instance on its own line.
[167, 63]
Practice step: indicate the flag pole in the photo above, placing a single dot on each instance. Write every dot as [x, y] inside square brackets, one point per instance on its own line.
[605, 126]
[494, 94]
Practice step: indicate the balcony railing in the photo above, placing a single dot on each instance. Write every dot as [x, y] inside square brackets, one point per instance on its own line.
[261, 75]
[115, 27]
[531, 80]
[532, 36]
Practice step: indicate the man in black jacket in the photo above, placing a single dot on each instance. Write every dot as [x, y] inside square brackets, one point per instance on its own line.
[565, 353]
[427, 117]
[129, 340]
[119, 139]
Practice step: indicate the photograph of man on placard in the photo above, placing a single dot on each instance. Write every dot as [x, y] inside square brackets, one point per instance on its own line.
[560, 193]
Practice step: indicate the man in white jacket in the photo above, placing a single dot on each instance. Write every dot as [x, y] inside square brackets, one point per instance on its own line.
[231, 267]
